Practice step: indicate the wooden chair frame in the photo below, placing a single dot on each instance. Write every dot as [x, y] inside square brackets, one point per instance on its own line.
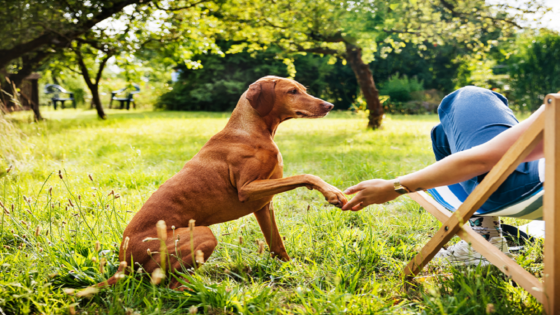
[547, 292]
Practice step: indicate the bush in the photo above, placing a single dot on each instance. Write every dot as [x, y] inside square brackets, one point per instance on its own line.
[400, 89]
[421, 102]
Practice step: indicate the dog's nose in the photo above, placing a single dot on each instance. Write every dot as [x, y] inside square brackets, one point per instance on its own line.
[327, 106]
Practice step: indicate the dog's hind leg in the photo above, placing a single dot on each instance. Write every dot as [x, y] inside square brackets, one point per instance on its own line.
[183, 246]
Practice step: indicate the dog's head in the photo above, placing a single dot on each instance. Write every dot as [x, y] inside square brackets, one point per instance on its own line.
[285, 99]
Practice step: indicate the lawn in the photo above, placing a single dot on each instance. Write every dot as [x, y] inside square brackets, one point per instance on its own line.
[342, 262]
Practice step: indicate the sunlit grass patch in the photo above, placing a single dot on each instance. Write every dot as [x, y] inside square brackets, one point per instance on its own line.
[342, 262]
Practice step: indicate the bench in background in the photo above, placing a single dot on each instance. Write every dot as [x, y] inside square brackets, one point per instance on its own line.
[125, 101]
[56, 90]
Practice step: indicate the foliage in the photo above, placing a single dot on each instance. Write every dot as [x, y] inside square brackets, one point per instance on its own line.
[335, 83]
[372, 25]
[534, 68]
[435, 65]
[38, 29]
[355, 31]
[343, 262]
[218, 84]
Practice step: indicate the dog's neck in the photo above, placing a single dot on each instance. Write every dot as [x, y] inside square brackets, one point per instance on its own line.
[244, 117]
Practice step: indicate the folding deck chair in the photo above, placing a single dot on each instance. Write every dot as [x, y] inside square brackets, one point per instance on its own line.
[547, 292]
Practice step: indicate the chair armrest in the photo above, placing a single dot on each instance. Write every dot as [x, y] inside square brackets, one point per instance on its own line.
[118, 91]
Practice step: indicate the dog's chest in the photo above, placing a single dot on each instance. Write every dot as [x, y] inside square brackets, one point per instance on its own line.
[279, 169]
[280, 161]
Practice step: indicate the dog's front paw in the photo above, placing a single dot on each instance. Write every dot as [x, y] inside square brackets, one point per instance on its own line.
[334, 196]
[282, 256]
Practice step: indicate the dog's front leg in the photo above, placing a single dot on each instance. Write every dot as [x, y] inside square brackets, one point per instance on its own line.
[266, 220]
[258, 189]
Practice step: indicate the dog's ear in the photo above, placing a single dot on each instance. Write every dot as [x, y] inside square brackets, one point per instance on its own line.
[261, 96]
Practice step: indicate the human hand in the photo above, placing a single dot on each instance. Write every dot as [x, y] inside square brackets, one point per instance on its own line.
[369, 192]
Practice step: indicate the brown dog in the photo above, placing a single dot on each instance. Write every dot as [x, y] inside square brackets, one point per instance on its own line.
[236, 173]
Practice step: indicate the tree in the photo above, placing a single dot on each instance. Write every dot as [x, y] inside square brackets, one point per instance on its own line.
[354, 30]
[122, 35]
[39, 26]
[32, 31]
[149, 28]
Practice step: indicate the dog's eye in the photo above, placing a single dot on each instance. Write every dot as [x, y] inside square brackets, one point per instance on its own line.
[294, 91]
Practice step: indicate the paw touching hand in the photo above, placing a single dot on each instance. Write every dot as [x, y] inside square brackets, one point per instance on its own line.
[333, 195]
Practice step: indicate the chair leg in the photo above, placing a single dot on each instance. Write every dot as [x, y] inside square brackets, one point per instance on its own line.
[507, 265]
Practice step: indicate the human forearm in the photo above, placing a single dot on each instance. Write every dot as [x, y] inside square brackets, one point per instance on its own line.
[453, 169]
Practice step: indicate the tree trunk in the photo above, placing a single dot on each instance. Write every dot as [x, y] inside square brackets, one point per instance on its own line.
[93, 87]
[16, 79]
[367, 86]
[35, 99]
[96, 100]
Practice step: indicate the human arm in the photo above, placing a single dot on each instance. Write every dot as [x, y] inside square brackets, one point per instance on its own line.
[455, 168]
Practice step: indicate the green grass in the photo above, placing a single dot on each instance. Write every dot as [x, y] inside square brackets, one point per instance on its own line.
[343, 262]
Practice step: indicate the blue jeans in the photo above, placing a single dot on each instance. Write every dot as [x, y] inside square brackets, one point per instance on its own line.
[472, 116]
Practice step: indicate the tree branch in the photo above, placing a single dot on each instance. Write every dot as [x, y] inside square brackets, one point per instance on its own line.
[400, 32]
[336, 38]
[101, 66]
[83, 67]
[318, 50]
[29, 65]
[181, 8]
[70, 69]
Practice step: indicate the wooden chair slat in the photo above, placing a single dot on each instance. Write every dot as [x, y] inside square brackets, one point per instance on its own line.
[551, 204]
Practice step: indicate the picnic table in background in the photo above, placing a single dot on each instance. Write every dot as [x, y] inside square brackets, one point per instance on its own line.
[125, 101]
[56, 90]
